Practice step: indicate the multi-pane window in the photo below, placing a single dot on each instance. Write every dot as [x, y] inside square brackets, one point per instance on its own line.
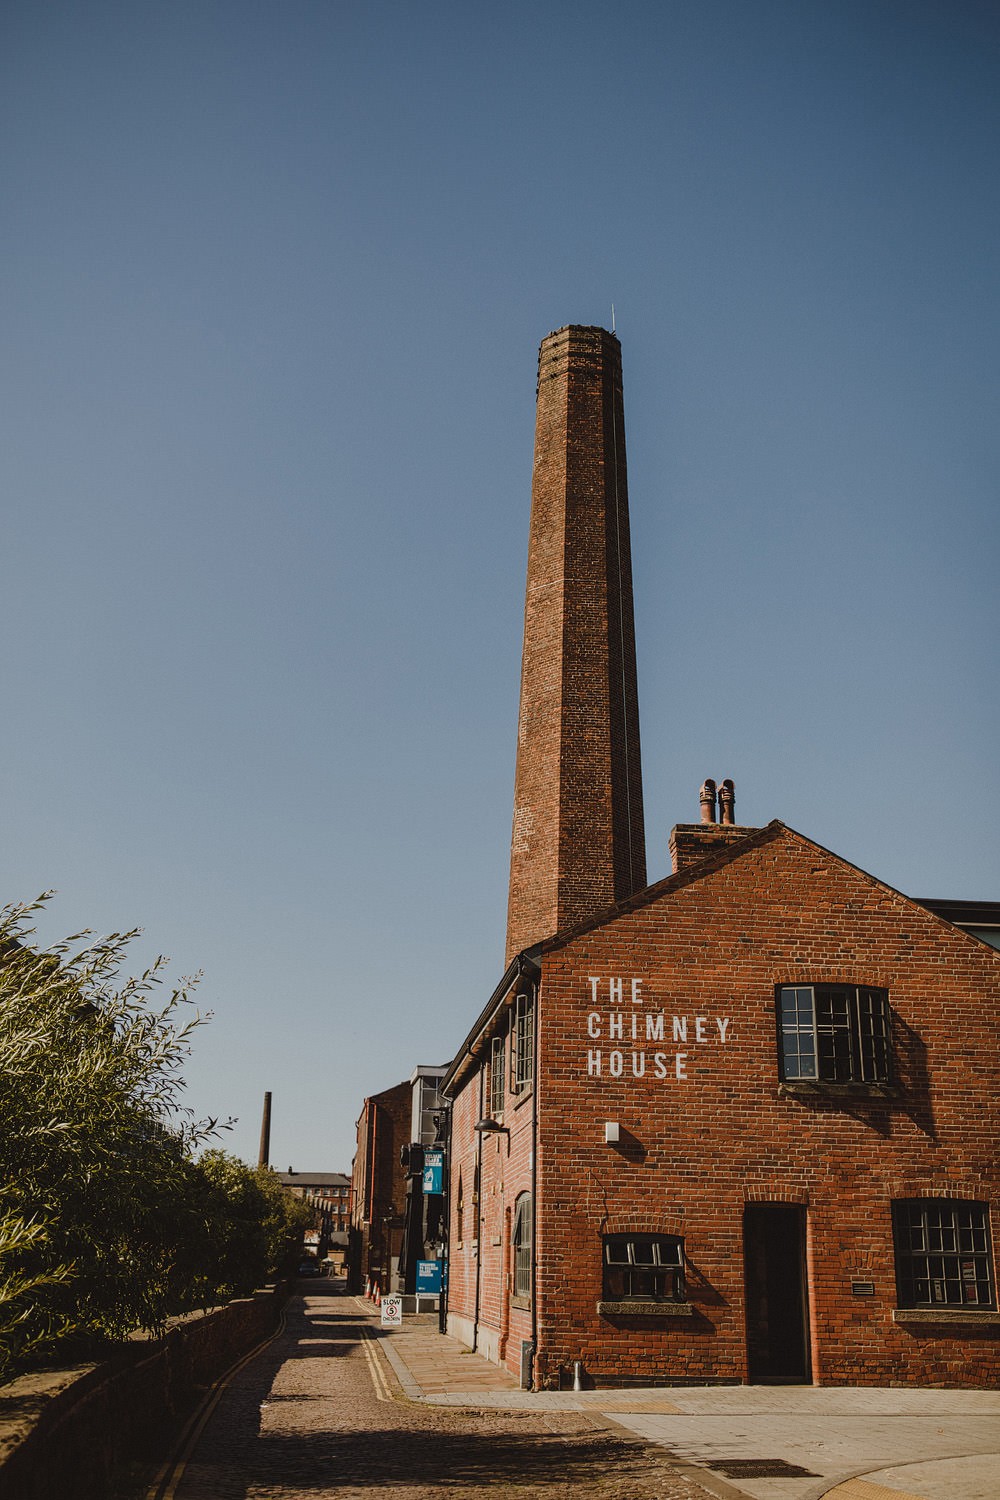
[496, 1075]
[426, 1109]
[839, 1033]
[643, 1267]
[942, 1253]
[523, 1044]
[521, 1245]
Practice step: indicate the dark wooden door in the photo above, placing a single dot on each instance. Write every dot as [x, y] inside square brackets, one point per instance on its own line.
[774, 1243]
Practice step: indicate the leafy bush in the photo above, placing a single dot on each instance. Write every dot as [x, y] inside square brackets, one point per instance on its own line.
[106, 1222]
[253, 1226]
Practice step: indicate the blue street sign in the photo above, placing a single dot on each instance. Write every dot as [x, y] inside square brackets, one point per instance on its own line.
[433, 1171]
[429, 1276]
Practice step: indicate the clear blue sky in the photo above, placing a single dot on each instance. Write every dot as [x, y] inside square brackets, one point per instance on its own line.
[274, 277]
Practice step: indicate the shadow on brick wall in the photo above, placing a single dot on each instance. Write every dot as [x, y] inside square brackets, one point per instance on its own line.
[912, 1076]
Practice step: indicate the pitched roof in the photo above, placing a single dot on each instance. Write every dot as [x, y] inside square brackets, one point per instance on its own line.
[698, 870]
[716, 860]
[313, 1179]
[957, 914]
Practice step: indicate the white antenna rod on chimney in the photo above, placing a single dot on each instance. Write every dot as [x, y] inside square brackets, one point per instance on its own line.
[612, 317]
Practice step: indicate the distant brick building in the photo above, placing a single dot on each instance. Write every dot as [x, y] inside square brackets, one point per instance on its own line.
[328, 1192]
[329, 1195]
[389, 1227]
[378, 1189]
[739, 1125]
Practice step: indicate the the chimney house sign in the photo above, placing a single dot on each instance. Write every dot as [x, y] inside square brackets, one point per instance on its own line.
[630, 1037]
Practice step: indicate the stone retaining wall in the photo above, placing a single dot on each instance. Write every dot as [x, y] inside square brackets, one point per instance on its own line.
[85, 1432]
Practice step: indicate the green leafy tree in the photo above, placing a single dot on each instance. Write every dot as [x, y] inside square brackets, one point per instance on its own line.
[97, 1184]
[107, 1222]
[20, 1328]
[251, 1226]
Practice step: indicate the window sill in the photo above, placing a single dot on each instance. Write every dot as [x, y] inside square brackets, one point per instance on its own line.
[818, 1088]
[987, 1317]
[522, 1302]
[633, 1308]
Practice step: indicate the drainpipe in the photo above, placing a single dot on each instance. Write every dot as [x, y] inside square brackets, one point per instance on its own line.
[371, 1179]
[371, 1193]
[478, 1206]
[505, 1286]
[445, 1228]
[534, 1183]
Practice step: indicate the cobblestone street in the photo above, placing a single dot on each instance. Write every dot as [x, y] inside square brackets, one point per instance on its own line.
[310, 1417]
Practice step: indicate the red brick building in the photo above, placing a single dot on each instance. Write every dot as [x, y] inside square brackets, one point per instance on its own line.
[739, 1125]
[394, 1223]
[329, 1195]
[378, 1190]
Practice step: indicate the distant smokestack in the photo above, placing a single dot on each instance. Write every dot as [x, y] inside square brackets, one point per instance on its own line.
[727, 802]
[264, 1158]
[707, 796]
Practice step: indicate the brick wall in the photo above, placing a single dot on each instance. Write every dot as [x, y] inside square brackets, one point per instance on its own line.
[378, 1184]
[93, 1431]
[708, 1128]
[488, 1175]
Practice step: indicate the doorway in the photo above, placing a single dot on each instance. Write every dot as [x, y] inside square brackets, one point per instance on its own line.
[774, 1259]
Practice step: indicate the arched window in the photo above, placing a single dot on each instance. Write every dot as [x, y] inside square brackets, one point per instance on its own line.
[521, 1244]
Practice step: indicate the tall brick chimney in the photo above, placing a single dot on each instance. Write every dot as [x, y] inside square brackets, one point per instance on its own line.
[578, 843]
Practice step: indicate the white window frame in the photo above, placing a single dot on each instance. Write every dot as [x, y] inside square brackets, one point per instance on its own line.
[522, 1049]
[522, 1248]
[816, 1044]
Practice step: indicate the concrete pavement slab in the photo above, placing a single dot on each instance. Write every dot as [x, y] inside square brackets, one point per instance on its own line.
[762, 1442]
[803, 1457]
[974, 1478]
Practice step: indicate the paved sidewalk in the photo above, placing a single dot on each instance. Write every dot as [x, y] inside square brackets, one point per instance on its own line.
[761, 1442]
